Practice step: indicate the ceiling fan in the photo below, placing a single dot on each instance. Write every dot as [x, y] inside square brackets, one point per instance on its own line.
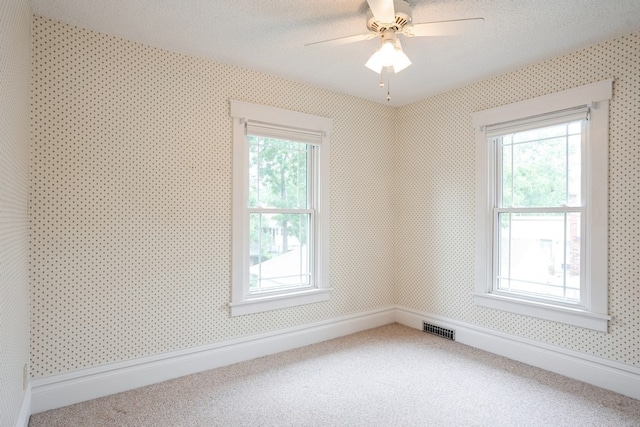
[388, 18]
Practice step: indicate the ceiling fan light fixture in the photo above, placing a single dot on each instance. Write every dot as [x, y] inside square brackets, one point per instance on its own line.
[380, 58]
[389, 54]
[401, 60]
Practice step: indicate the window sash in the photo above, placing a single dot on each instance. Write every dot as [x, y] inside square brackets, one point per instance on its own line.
[310, 264]
[311, 156]
[497, 257]
[497, 165]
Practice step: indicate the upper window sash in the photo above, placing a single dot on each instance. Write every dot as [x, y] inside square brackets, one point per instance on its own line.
[497, 162]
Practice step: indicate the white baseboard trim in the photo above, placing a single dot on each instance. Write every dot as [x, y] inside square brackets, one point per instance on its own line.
[25, 408]
[66, 389]
[618, 377]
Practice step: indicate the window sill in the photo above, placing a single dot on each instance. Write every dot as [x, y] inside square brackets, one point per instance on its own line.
[571, 316]
[274, 302]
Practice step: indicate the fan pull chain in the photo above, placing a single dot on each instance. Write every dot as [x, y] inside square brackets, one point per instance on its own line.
[388, 81]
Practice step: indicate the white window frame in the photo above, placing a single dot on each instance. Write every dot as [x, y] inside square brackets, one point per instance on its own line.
[593, 311]
[242, 302]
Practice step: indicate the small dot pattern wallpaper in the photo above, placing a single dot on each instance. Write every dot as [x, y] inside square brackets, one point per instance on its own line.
[131, 199]
[434, 197]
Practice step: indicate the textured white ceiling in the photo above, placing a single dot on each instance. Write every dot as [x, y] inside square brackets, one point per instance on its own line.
[269, 36]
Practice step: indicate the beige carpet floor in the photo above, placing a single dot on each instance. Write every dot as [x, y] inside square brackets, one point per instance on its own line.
[388, 376]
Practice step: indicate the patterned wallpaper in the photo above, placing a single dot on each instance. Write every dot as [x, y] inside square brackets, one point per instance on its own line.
[435, 188]
[131, 200]
[131, 193]
[15, 65]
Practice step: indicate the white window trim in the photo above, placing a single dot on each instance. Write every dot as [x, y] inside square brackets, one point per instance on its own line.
[593, 314]
[241, 302]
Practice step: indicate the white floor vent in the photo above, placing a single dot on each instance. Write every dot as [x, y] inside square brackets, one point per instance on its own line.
[449, 334]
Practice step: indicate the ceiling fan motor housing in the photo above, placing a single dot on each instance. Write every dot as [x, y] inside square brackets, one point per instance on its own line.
[402, 18]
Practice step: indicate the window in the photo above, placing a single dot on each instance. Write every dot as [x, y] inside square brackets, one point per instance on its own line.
[280, 208]
[541, 207]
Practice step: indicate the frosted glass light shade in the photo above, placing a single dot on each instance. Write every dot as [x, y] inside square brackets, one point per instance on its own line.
[390, 54]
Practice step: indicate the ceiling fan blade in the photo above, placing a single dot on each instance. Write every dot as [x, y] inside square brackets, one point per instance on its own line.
[383, 10]
[444, 28]
[343, 40]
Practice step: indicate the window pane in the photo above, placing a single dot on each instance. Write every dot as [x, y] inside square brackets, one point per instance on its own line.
[539, 254]
[541, 167]
[539, 173]
[279, 251]
[277, 173]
